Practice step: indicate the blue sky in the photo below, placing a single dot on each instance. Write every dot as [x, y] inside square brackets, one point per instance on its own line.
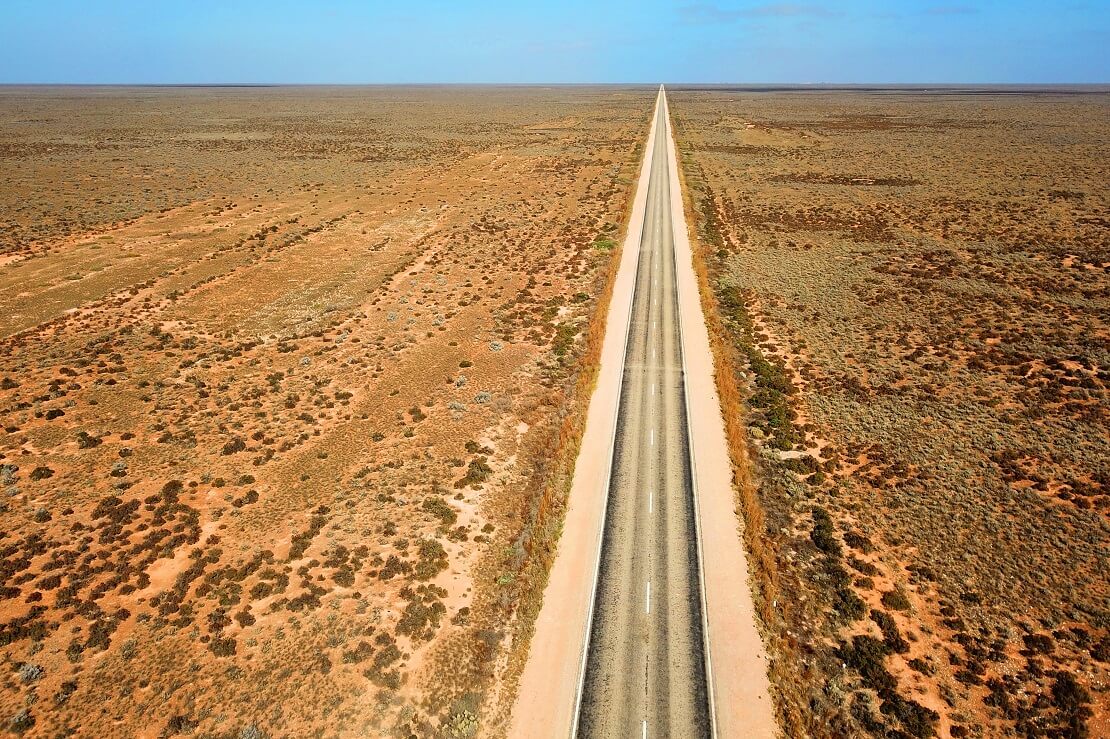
[85, 41]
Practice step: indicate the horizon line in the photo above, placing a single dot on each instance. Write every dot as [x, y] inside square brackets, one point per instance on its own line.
[935, 83]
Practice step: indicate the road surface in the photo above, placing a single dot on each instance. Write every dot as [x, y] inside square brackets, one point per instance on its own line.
[609, 657]
[645, 670]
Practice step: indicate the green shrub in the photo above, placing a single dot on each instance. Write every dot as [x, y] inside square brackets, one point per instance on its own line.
[917, 720]
[344, 576]
[866, 655]
[564, 338]
[362, 652]
[87, 441]
[41, 473]
[222, 646]
[858, 541]
[394, 566]
[440, 509]
[477, 472]
[848, 605]
[432, 560]
[803, 465]
[891, 636]
[233, 446]
[823, 534]
[604, 244]
[896, 599]
[419, 620]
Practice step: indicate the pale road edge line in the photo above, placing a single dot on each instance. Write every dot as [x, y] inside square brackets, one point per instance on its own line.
[710, 687]
[646, 166]
[747, 710]
[547, 688]
[549, 683]
[649, 160]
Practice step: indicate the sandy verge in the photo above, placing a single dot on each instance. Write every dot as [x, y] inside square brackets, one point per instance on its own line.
[548, 686]
[738, 679]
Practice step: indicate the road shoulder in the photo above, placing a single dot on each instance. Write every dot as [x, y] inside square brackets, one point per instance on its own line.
[547, 692]
[739, 682]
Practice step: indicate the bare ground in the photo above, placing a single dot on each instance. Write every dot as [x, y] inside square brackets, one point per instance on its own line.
[283, 374]
[914, 287]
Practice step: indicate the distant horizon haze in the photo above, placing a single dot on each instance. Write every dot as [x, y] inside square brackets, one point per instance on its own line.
[572, 42]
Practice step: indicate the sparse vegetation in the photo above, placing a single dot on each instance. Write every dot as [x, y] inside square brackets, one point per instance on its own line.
[913, 354]
[228, 455]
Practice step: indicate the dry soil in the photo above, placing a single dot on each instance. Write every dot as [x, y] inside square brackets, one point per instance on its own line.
[915, 288]
[283, 374]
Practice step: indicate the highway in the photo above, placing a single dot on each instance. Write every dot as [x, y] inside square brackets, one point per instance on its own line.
[645, 671]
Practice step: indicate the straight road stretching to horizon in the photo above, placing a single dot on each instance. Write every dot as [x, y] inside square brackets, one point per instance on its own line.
[645, 671]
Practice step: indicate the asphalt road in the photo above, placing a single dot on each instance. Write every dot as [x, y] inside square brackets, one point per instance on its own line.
[645, 669]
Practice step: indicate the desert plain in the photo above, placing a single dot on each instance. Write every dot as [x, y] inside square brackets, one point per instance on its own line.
[913, 294]
[291, 382]
[288, 377]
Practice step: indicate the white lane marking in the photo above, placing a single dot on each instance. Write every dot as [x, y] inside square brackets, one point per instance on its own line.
[651, 500]
[652, 437]
[653, 388]
[647, 602]
[645, 729]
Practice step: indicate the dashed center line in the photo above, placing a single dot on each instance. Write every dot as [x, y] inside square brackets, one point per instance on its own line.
[647, 601]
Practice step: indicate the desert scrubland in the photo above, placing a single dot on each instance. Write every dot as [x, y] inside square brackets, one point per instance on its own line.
[913, 291]
[289, 381]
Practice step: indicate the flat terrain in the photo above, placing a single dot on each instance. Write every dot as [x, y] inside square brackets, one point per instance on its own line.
[283, 381]
[646, 665]
[915, 289]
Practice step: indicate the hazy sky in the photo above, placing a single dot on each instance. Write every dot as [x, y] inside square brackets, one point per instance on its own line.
[182, 41]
